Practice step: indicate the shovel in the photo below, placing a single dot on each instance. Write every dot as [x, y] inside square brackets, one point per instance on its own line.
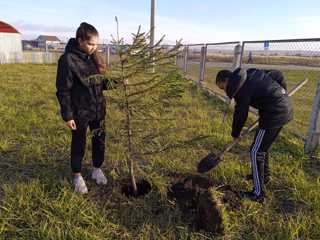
[212, 160]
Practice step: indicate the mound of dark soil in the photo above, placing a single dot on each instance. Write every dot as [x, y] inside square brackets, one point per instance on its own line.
[192, 193]
[143, 186]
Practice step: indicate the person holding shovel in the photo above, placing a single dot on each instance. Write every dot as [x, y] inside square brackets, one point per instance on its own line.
[266, 91]
[81, 100]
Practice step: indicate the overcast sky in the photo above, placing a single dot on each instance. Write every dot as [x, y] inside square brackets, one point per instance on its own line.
[193, 21]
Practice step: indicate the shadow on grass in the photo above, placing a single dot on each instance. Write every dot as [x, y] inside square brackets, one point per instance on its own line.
[13, 171]
[133, 214]
[283, 201]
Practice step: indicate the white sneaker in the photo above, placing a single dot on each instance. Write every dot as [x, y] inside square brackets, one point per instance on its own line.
[98, 175]
[80, 185]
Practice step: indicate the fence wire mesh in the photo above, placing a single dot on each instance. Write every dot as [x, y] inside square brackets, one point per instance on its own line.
[298, 60]
[219, 56]
[34, 57]
[193, 61]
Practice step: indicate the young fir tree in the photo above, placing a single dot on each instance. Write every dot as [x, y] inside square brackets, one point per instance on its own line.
[149, 83]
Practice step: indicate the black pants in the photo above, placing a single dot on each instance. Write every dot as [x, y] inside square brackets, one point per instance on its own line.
[78, 143]
[262, 142]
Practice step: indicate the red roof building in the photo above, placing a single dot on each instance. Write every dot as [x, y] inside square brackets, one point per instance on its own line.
[6, 28]
[10, 43]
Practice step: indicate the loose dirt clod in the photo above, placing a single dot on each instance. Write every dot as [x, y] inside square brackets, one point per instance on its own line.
[209, 214]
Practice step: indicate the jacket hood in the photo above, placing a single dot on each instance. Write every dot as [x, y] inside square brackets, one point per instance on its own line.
[238, 78]
[72, 47]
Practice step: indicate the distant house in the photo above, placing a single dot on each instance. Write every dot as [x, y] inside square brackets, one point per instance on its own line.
[29, 44]
[51, 42]
[10, 41]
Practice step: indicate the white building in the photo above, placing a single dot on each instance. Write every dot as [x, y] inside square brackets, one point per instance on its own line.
[10, 43]
[46, 42]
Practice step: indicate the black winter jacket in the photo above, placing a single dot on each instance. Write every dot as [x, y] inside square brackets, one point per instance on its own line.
[79, 97]
[264, 90]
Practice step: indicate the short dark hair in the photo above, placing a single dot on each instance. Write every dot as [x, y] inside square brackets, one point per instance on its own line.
[86, 31]
[222, 76]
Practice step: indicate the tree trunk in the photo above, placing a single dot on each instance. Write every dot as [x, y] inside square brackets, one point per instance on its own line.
[130, 159]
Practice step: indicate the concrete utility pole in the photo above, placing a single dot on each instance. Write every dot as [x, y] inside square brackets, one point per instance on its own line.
[153, 7]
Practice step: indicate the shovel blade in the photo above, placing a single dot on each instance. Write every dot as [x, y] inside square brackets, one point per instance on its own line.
[207, 163]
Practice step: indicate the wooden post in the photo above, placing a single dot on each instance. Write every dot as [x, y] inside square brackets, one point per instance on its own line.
[312, 141]
[237, 57]
[203, 64]
[185, 59]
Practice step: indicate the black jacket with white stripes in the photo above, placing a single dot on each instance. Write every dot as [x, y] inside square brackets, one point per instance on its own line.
[264, 90]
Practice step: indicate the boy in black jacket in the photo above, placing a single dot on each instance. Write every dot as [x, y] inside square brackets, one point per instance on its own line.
[266, 91]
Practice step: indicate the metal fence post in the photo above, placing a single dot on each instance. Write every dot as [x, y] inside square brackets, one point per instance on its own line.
[108, 55]
[242, 52]
[314, 130]
[185, 59]
[203, 63]
[237, 57]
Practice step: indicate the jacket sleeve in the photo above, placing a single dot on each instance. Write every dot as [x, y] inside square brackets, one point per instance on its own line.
[240, 115]
[278, 77]
[64, 84]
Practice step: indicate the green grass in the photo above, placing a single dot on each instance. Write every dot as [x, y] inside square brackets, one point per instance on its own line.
[37, 201]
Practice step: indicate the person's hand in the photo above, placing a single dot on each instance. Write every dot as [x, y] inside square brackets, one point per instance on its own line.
[72, 124]
[99, 62]
[126, 82]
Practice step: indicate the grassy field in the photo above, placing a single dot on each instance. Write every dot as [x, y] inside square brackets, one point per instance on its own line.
[36, 197]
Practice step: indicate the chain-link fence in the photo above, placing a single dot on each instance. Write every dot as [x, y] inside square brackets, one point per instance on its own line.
[51, 56]
[218, 56]
[200, 62]
[298, 59]
[192, 60]
[34, 57]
